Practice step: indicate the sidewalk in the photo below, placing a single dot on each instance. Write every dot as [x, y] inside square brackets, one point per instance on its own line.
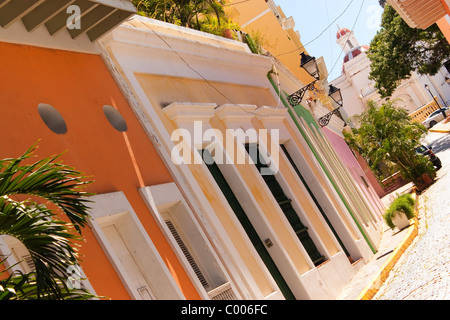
[393, 243]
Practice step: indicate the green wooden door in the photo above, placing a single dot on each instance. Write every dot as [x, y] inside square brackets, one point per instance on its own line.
[286, 206]
[246, 224]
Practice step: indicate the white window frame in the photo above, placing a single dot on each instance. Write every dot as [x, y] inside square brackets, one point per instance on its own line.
[333, 211]
[166, 198]
[184, 114]
[105, 209]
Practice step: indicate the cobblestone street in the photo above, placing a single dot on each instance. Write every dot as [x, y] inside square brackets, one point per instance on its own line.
[423, 272]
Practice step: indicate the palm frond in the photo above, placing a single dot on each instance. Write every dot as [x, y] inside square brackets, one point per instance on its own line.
[50, 241]
[19, 286]
[47, 179]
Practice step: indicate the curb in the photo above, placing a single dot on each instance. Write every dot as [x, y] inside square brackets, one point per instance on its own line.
[441, 131]
[375, 284]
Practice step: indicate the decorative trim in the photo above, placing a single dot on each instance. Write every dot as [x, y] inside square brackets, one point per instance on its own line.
[272, 114]
[189, 112]
[105, 210]
[236, 111]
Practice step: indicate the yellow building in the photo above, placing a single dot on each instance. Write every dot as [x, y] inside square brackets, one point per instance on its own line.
[266, 22]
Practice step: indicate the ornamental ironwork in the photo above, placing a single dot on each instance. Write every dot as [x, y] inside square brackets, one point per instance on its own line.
[296, 98]
[325, 120]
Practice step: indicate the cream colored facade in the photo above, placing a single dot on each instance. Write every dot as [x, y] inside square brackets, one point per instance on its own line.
[357, 88]
[283, 44]
[177, 78]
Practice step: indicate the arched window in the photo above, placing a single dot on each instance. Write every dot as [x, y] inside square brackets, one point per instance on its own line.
[350, 44]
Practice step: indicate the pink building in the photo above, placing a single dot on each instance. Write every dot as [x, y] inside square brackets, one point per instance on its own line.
[360, 171]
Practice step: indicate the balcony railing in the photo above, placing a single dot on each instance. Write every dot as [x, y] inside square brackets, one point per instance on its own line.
[421, 114]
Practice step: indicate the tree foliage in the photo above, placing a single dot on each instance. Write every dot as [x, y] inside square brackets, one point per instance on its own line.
[205, 15]
[51, 242]
[386, 135]
[397, 50]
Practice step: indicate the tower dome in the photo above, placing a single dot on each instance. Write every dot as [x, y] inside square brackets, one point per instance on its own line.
[342, 32]
[349, 44]
[346, 39]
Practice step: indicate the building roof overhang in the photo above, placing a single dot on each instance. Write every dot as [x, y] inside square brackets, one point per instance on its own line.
[419, 13]
[91, 17]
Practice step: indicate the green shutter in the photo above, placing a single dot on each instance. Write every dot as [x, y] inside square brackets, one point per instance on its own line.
[314, 199]
[246, 224]
[286, 206]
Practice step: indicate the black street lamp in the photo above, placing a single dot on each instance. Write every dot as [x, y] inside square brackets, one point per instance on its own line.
[335, 94]
[428, 88]
[310, 65]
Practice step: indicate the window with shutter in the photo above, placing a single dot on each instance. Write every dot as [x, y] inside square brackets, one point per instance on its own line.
[246, 224]
[286, 206]
[190, 244]
[25, 260]
[313, 197]
[187, 253]
[29, 261]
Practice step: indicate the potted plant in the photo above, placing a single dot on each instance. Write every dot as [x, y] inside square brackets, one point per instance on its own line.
[424, 172]
[400, 212]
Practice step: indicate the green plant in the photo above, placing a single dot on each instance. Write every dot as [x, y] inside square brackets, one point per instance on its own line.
[255, 41]
[211, 25]
[187, 13]
[420, 165]
[385, 136]
[408, 197]
[404, 204]
[51, 242]
[397, 50]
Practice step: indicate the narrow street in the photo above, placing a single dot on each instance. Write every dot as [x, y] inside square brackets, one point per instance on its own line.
[423, 272]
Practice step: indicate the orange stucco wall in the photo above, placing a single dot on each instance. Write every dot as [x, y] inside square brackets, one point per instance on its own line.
[78, 85]
[445, 27]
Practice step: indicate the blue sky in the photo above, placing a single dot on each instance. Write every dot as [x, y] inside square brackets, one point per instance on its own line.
[312, 17]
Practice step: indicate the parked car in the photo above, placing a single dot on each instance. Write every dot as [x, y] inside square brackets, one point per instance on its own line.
[435, 117]
[427, 151]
